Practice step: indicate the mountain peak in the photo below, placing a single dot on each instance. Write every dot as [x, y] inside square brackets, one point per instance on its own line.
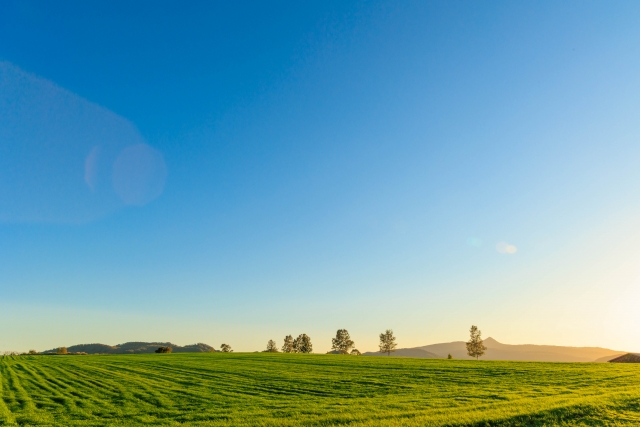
[542, 353]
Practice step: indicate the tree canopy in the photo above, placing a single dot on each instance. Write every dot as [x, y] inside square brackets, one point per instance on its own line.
[342, 342]
[302, 344]
[271, 347]
[387, 342]
[475, 346]
[287, 347]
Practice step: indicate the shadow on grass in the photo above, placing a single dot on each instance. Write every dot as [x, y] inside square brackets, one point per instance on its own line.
[623, 413]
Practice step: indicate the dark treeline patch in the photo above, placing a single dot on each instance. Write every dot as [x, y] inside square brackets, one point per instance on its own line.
[136, 348]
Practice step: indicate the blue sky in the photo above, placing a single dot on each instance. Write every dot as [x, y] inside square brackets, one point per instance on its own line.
[235, 173]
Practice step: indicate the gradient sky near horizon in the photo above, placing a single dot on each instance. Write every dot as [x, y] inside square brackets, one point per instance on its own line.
[240, 171]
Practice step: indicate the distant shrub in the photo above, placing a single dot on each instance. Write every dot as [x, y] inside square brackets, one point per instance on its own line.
[271, 347]
[164, 350]
[32, 352]
[61, 350]
[355, 352]
[449, 356]
[226, 348]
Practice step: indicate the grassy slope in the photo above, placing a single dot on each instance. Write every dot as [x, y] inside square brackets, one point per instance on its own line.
[315, 390]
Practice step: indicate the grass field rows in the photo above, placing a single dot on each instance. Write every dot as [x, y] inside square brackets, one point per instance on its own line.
[262, 389]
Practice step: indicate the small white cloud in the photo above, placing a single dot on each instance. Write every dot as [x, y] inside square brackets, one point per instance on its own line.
[506, 248]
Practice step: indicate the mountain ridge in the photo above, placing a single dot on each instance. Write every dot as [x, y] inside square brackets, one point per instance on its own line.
[499, 351]
[135, 347]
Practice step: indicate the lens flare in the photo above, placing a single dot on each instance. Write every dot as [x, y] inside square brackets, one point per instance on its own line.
[139, 174]
[506, 248]
[64, 159]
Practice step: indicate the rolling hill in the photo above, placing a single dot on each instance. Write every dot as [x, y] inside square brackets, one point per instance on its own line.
[499, 351]
[135, 348]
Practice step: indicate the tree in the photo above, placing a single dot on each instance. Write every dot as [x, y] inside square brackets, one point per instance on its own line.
[61, 350]
[288, 344]
[164, 350]
[449, 356]
[271, 347]
[342, 342]
[32, 352]
[387, 342]
[302, 344]
[225, 348]
[355, 352]
[475, 347]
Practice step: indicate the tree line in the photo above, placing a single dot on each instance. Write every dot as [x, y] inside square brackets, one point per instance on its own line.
[343, 344]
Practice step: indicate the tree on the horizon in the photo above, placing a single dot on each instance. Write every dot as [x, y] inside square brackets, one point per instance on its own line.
[226, 348]
[302, 344]
[288, 345]
[449, 356]
[164, 350]
[342, 342]
[356, 352]
[387, 342]
[272, 347]
[475, 347]
[61, 350]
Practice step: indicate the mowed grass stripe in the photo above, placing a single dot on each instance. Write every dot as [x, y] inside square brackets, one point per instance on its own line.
[309, 390]
[128, 387]
[156, 379]
[21, 401]
[38, 385]
[137, 380]
[127, 395]
[250, 384]
[56, 395]
[6, 416]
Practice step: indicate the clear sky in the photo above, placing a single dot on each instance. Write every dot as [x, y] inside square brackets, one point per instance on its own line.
[239, 171]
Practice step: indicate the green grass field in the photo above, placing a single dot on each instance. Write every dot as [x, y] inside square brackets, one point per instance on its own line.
[261, 389]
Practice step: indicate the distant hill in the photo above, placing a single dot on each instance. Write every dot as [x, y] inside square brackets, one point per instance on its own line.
[136, 348]
[499, 351]
[608, 358]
